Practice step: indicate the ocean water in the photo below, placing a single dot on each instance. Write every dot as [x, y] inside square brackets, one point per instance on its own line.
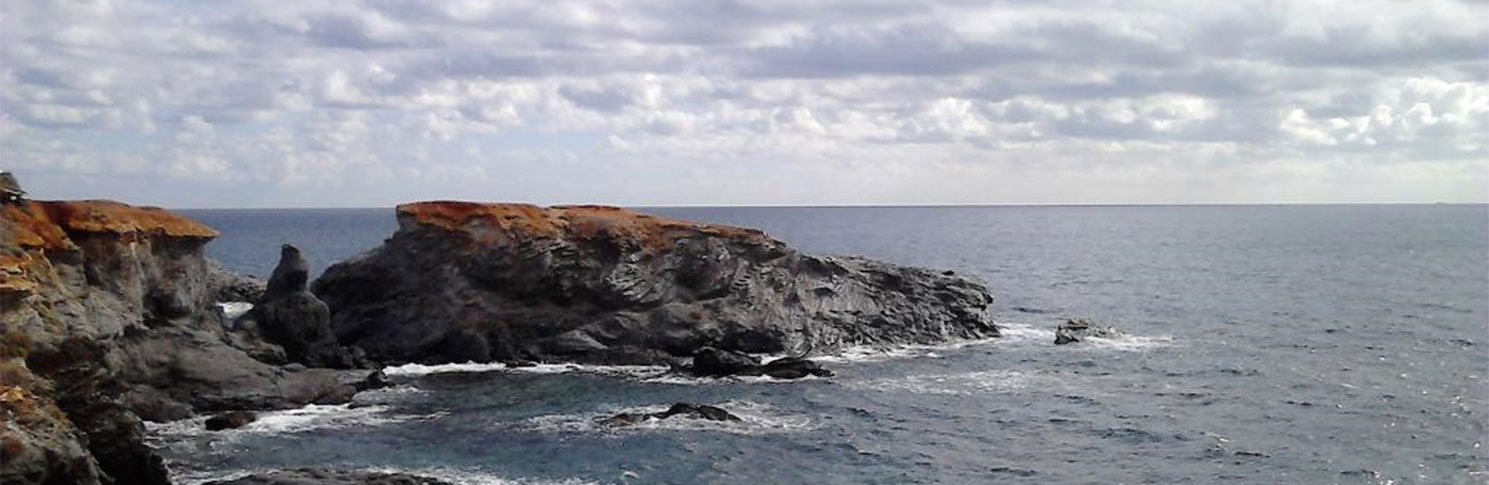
[1268, 344]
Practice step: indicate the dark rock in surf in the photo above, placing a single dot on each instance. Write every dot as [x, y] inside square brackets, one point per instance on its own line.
[712, 362]
[793, 368]
[1078, 329]
[319, 476]
[686, 410]
[495, 282]
[230, 420]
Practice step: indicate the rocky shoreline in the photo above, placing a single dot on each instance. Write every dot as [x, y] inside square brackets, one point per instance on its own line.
[109, 317]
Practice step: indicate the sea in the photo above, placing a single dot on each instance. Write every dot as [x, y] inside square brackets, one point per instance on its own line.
[1265, 344]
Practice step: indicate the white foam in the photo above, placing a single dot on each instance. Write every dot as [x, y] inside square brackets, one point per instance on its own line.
[234, 309]
[1022, 334]
[461, 476]
[690, 380]
[963, 384]
[311, 417]
[473, 367]
[871, 353]
[755, 419]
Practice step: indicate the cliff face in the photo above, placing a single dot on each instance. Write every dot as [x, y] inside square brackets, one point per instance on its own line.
[107, 316]
[466, 281]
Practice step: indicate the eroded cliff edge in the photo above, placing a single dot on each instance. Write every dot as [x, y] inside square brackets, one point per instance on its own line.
[107, 317]
[463, 281]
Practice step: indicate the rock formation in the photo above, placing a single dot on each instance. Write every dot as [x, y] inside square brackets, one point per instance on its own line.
[712, 362]
[291, 317]
[465, 281]
[688, 410]
[1078, 329]
[107, 317]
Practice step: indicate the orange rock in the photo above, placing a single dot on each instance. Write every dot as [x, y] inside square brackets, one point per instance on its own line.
[527, 221]
[108, 216]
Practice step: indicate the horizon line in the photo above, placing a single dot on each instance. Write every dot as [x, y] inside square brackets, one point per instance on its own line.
[863, 205]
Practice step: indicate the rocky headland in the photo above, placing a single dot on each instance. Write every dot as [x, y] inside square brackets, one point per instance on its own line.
[462, 281]
[108, 318]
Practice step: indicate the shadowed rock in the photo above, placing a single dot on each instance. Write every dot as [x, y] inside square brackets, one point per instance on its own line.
[468, 281]
[293, 318]
[230, 420]
[712, 362]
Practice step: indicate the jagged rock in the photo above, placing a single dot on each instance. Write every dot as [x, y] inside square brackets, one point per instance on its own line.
[1078, 329]
[230, 420]
[289, 316]
[228, 286]
[107, 309]
[591, 284]
[688, 410]
[712, 362]
[318, 476]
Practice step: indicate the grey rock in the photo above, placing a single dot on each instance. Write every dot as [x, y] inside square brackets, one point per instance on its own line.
[226, 285]
[1078, 329]
[687, 410]
[294, 319]
[464, 281]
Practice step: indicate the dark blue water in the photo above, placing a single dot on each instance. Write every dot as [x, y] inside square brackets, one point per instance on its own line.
[1279, 344]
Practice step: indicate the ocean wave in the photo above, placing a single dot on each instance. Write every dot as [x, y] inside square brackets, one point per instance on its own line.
[1022, 334]
[311, 417]
[234, 309]
[459, 476]
[755, 419]
[414, 370]
[955, 384]
[691, 380]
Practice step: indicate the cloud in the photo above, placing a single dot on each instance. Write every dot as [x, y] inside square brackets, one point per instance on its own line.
[372, 102]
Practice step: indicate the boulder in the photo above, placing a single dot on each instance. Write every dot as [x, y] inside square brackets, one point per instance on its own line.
[687, 410]
[229, 286]
[793, 368]
[231, 420]
[497, 282]
[1078, 329]
[712, 362]
[291, 317]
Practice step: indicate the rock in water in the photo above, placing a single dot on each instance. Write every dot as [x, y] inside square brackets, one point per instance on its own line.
[687, 410]
[1078, 329]
[293, 318]
[317, 476]
[712, 362]
[602, 284]
[230, 420]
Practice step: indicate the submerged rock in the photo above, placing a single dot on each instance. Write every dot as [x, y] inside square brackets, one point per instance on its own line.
[712, 362]
[491, 282]
[687, 410]
[320, 476]
[231, 420]
[1078, 329]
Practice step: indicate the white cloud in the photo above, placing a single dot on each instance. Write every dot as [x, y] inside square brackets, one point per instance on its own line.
[829, 101]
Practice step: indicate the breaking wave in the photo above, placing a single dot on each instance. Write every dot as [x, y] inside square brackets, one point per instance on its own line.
[755, 419]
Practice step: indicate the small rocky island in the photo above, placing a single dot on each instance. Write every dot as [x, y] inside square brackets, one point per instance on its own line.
[108, 317]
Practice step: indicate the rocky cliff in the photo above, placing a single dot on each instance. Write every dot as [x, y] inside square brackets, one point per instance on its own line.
[466, 281]
[107, 316]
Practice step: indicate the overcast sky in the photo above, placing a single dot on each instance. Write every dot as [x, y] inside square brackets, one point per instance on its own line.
[370, 103]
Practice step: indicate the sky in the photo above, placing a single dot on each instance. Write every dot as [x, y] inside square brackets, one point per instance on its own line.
[311, 103]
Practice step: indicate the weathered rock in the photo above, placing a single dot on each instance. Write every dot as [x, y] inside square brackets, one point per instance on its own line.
[318, 476]
[687, 410]
[466, 281]
[230, 420]
[712, 362]
[228, 286]
[289, 316]
[107, 313]
[793, 368]
[1078, 329]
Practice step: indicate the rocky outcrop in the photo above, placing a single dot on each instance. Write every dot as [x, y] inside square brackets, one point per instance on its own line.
[1078, 329]
[683, 409]
[228, 286]
[712, 362]
[317, 476]
[465, 281]
[289, 316]
[107, 315]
